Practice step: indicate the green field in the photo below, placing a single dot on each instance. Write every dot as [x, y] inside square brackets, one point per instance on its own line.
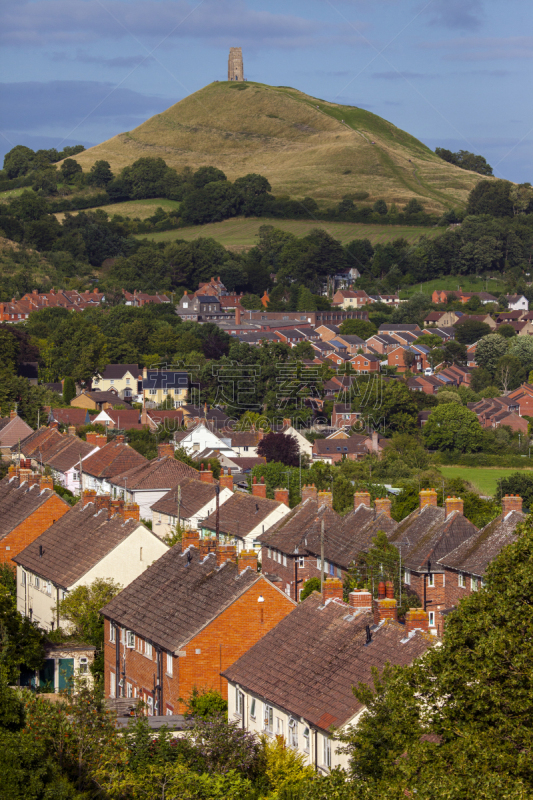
[484, 479]
[453, 282]
[242, 232]
[136, 209]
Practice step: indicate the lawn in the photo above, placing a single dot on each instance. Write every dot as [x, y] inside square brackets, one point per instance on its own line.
[242, 232]
[136, 209]
[483, 478]
[453, 282]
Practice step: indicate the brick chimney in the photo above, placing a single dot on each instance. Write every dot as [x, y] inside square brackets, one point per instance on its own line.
[101, 439]
[206, 475]
[91, 438]
[453, 504]
[25, 474]
[54, 424]
[226, 552]
[511, 502]
[238, 314]
[282, 496]
[360, 600]
[309, 491]
[102, 501]
[287, 423]
[188, 538]
[361, 498]
[332, 589]
[248, 558]
[46, 482]
[226, 479]
[119, 439]
[382, 505]
[165, 450]
[416, 618]
[385, 608]
[12, 414]
[117, 506]
[88, 496]
[428, 497]
[72, 430]
[259, 489]
[325, 499]
[131, 511]
[207, 546]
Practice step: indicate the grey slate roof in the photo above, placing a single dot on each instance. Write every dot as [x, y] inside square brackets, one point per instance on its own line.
[309, 662]
[241, 514]
[178, 595]
[475, 554]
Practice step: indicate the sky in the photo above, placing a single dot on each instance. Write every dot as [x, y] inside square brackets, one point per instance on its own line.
[453, 73]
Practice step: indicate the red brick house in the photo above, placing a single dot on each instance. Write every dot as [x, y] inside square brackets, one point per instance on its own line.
[381, 343]
[343, 416]
[182, 622]
[398, 358]
[28, 506]
[523, 396]
[365, 363]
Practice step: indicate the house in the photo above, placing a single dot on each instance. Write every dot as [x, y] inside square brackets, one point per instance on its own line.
[149, 481]
[437, 319]
[441, 296]
[517, 302]
[97, 401]
[353, 343]
[343, 416]
[407, 338]
[13, 429]
[203, 308]
[365, 364]
[28, 506]
[471, 355]
[381, 343]
[139, 299]
[327, 332]
[347, 298]
[444, 333]
[486, 318]
[160, 384]
[465, 567]
[119, 378]
[297, 681]
[107, 462]
[85, 544]
[71, 417]
[354, 448]
[423, 538]
[523, 396]
[234, 443]
[118, 419]
[291, 336]
[393, 327]
[191, 502]
[498, 411]
[429, 384]
[181, 623]
[406, 358]
[63, 663]
[291, 550]
[304, 445]
[159, 419]
[457, 374]
[244, 517]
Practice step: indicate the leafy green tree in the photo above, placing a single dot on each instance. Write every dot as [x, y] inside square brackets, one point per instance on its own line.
[69, 390]
[254, 190]
[471, 331]
[310, 585]
[453, 427]
[21, 643]
[69, 169]
[522, 348]
[358, 327]
[507, 331]
[206, 703]
[509, 373]
[380, 207]
[251, 302]
[100, 174]
[489, 350]
[492, 198]
[454, 352]
[448, 397]
[205, 175]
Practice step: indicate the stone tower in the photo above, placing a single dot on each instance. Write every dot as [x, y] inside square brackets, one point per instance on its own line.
[235, 65]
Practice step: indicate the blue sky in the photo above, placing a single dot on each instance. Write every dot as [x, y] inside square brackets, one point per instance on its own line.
[454, 73]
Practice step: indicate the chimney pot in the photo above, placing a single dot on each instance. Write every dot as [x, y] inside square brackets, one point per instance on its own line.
[72, 430]
[389, 590]
[131, 511]
[453, 504]
[382, 591]
[206, 475]
[428, 497]
[325, 499]
[511, 503]
[259, 489]
[188, 538]
[12, 414]
[383, 506]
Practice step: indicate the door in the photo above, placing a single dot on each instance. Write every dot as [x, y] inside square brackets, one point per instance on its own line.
[66, 671]
[47, 674]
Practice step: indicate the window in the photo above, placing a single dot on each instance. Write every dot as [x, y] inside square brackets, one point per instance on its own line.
[112, 632]
[279, 726]
[431, 579]
[461, 580]
[473, 584]
[150, 705]
[246, 448]
[268, 719]
[139, 644]
[112, 685]
[111, 380]
[84, 665]
[170, 664]
[293, 733]
[307, 739]
[284, 560]
[431, 619]
[49, 588]
[37, 582]
[177, 391]
[239, 702]
[327, 752]
[127, 381]
[148, 649]
[407, 576]
[252, 708]
[301, 561]
[153, 391]
[23, 577]
[130, 640]
[318, 564]
[269, 552]
[129, 690]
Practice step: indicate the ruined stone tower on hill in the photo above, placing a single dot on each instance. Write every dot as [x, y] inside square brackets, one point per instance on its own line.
[235, 65]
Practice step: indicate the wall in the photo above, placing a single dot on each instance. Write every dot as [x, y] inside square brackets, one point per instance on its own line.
[32, 527]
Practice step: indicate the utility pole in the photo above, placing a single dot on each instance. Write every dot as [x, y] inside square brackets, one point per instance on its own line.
[322, 558]
[179, 506]
[217, 519]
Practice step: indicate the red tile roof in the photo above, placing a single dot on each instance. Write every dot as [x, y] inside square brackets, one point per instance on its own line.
[112, 459]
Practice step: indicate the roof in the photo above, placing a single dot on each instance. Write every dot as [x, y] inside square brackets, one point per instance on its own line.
[160, 473]
[70, 416]
[177, 596]
[69, 455]
[104, 397]
[310, 661]
[165, 379]
[12, 430]
[117, 371]
[18, 501]
[351, 339]
[328, 447]
[195, 494]
[74, 544]
[389, 326]
[427, 535]
[122, 418]
[240, 514]
[112, 459]
[475, 554]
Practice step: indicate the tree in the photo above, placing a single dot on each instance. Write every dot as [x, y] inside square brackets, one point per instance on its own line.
[492, 198]
[69, 169]
[254, 190]
[454, 352]
[448, 397]
[507, 331]
[206, 703]
[281, 447]
[509, 373]
[453, 427]
[69, 390]
[489, 350]
[380, 207]
[100, 174]
[522, 348]
[205, 175]
[471, 331]
[21, 643]
[358, 327]
[310, 585]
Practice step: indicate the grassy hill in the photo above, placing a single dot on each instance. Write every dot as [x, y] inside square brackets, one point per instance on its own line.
[304, 146]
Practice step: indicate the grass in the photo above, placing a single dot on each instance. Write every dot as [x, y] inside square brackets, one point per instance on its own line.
[242, 232]
[5, 197]
[136, 209]
[484, 479]
[453, 282]
[304, 146]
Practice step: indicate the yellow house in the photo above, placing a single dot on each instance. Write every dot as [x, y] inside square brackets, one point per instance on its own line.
[120, 378]
[159, 384]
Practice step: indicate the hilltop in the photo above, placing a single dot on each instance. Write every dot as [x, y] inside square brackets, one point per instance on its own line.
[303, 145]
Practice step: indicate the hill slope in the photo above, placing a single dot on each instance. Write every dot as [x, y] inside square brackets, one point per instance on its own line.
[304, 146]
